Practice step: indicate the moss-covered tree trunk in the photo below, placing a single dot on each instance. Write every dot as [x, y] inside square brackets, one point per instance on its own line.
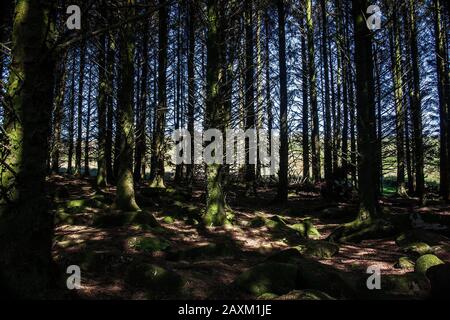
[125, 199]
[215, 214]
[158, 144]
[26, 225]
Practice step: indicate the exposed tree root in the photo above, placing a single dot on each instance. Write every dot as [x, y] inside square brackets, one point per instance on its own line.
[359, 230]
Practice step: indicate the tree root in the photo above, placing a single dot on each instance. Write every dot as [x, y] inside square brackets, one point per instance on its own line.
[359, 230]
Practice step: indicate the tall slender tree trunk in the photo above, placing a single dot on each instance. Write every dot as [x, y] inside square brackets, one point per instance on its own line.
[367, 164]
[26, 225]
[191, 23]
[71, 127]
[61, 78]
[416, 105]
[110, 61]
[87, 172]
[78, 147]
[158, 144]
[443, 91]
[283, 173]
[305, 106]
[140, 132]
[315, 141]
[268, 89]
[249, 92]
[125, 199]
[398, 101]
[328, 164]
[102, 100]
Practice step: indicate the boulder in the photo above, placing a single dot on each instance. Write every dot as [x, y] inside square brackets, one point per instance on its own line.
[425, 262]
[268, 277]
[155, 279]
[404, 263]
[439, 276]
[321, 249]
[417, 249]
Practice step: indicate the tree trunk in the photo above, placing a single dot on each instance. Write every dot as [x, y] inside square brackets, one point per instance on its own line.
[215, 196]
[26, 225]
[305, 106]
[315, 141]
[158, 144]
[80, 110]
[102, 100]
[125, 199]
[283, 174]
[191, 22]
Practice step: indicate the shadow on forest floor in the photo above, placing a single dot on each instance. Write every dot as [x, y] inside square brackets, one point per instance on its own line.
[207, 259]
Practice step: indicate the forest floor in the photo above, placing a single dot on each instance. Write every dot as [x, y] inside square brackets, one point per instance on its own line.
[209, 260]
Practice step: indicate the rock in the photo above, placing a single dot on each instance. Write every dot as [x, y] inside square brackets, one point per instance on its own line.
[168, 220]
[439, 276]
[268, 296]
[306, 229]
[305, 295]
[425, 262]
[155, 279]
[273, 277]
[406, 286]
[417, 249]
[291, 255]
[404, 263]
[148, 244]
[428, 237]
[321, 249]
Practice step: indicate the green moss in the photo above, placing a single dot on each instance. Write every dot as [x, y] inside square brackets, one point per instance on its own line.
[425, 262]
[418, 248]
[268, 296]
[148, 244]
[404, 263]
[155, 279]
[305, 295]
[168, 220]
[306, 229]
[277, 278]
[321, 249]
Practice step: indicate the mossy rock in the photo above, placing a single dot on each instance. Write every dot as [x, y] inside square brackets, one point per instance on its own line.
[417, 249]
[305, 295]
[425, 262]
[121, 219]
[321, 249]
[80, 205]
[155, 279]
[273, 277]
[439, 277]
[148, 244]
[98, 260]
[268, 296]
[257, 222]
[290, 255]
[414, 236]
[406, 286]
[204, 251]
[306, 229]
[404, 263]
[168, 220]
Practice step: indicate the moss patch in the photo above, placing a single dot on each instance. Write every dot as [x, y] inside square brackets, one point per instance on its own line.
[425, 262]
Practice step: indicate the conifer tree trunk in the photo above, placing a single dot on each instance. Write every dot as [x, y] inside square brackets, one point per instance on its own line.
[191, 22]
[125, 199]
[158, 144]
[78, 147]
[102, 175]
[305, 106]
[26, 226]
